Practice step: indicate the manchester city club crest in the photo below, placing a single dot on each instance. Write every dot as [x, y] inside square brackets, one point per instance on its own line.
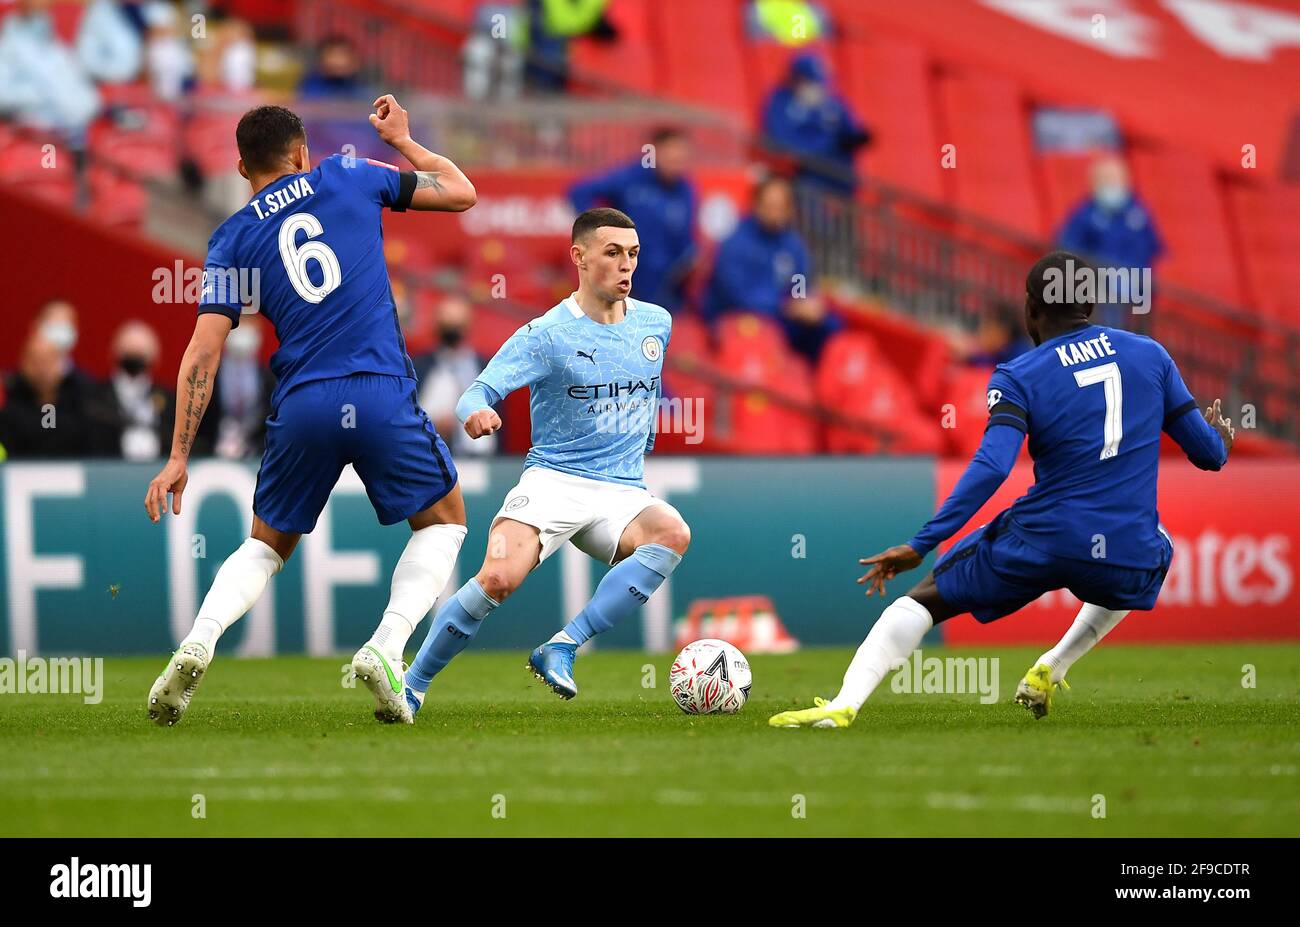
[650, 348]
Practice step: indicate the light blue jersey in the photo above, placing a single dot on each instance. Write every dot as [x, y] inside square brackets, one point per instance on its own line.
[594, 388]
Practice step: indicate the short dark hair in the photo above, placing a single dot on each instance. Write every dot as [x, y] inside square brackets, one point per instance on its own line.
[1062, 265]
[599, 217]
[264, 136]
[663, 134]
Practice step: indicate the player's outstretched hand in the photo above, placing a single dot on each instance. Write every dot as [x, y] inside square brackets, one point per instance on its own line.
[171, 479]
[390, 120]
[483, 422]
[887, 565]
[1214, 415]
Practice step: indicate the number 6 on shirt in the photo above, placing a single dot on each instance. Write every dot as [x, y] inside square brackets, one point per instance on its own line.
[295, 257]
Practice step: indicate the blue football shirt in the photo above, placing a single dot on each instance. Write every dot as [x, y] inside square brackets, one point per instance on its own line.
[1095, 401]
[308, 251]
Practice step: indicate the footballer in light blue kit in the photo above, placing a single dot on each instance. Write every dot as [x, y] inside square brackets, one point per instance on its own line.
[1093, 402]
[308, 248]
[594, 367]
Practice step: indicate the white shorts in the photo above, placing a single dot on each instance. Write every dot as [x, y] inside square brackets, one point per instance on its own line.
[562, 507]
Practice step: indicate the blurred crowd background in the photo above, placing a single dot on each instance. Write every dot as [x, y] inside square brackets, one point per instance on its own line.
[837, 200]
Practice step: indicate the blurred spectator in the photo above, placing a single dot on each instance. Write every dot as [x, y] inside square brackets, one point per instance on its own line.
[806, 119]
[1113, 228]
[448, 372]
[235, 424]
[168, 59]
[764, 268]
[56, 322]
[551, 24]
[1001, 337]
[337, 74]
[145, 412]
[335, 126]
[50, 408]
[41, 81]
[108, 42]
[1112, 224]
[661, 200]
[228, 61]
[493, 53]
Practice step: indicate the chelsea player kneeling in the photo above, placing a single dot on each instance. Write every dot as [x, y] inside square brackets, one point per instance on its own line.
[1093, 402]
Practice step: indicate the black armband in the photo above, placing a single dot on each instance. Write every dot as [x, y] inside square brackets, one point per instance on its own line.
[404, 192]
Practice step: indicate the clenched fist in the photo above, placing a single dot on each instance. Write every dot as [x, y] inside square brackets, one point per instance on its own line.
[483, 422]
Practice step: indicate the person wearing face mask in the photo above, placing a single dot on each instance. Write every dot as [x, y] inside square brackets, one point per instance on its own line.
[448, 371]
[235, 427]
[51, 410]
[144, 411]
[806, 119]
[1112, 227]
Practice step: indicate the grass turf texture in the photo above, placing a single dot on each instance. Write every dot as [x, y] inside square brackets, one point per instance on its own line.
[1168, 735]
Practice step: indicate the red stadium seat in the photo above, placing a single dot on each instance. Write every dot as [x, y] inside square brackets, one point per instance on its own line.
[854, 379]
[984, 117]
[115, 198]
[753, 351]
[628, 61]
[1190, 210]
[700, 47]
[1065, 186]
[1269, 237]
[26, 162]
[147, 149]
[887, 83]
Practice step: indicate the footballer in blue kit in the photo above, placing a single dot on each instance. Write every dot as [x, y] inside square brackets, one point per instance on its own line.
[307, 252]
[594, 367]
[1093, 402]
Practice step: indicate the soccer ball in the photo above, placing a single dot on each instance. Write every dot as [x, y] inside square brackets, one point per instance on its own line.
[710, 676]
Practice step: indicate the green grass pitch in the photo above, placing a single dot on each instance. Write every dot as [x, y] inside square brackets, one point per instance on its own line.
[1168, 736]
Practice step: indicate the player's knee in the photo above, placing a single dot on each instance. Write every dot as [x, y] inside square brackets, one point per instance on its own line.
[675, 536]
[496, 584]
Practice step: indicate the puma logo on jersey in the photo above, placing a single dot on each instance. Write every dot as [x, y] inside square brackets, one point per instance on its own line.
[591, 357]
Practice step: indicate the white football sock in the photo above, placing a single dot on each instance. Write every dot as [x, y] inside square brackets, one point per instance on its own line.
[891, 640]
[419, 577]
[1091, 624]
[238, 584]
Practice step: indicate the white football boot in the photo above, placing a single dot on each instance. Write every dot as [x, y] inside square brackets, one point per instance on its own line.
[171, 693]
[386, 683]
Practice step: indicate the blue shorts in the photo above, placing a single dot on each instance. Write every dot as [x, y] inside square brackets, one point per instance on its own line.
[372, 421]
[992, 573]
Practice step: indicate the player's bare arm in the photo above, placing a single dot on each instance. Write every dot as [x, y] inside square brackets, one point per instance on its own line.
[886, 565]
[483, 422]
[1214, 416]
[440, 186]
[193, 393]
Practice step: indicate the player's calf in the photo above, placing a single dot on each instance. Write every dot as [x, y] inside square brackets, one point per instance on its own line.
[622, 592]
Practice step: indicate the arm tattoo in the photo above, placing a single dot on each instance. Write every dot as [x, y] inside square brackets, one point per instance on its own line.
[196, 402]
[428, 179]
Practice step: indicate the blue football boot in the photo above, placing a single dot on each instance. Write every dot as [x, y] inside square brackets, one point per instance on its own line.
[552, 664]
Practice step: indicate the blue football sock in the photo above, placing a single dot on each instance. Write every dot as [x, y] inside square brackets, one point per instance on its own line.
[454, 626]
[624, 589]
